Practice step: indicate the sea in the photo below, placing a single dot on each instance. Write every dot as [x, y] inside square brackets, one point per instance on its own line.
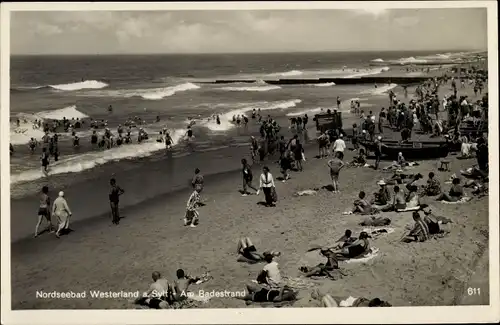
[175, 90]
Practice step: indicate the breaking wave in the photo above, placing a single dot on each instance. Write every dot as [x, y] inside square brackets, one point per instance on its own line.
[87, 84]
[88, 160]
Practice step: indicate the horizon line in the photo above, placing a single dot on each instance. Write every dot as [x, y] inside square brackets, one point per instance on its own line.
[233, 53]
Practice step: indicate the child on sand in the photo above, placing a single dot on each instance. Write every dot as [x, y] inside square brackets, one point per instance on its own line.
[335, 166]
[192, 215]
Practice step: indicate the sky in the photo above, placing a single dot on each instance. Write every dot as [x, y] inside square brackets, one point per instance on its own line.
[142, 32]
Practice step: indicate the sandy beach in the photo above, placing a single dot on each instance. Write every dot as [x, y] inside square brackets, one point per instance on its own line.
[151, 238]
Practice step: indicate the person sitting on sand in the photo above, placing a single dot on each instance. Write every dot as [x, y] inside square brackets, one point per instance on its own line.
[433, 186]
[359, 247]
[270, 276]
[398, 202]
[455, 194]
[347, 239]
[383, 196]
[361, 205]
[159, 294]
[259, 294]
[359, 159]
[248, 252]
[323, 269]
[181, 285]
[412, 199]
[420, 231]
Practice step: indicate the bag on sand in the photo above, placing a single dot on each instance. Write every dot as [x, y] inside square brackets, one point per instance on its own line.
[274, 195]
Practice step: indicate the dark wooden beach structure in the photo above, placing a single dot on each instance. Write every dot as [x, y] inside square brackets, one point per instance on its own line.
[328, 121]
[411, 149]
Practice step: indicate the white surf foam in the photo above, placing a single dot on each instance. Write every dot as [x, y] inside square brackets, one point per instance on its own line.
[88, 160]
[58, 114]
[159, 93]
[380, 90]
[227, 118]
[328, 84]
[378, 60]
[287, 73]
[411, 60]
[367, 72]
[251, 88]
[87, 84]
[22, 134]
[146, 93]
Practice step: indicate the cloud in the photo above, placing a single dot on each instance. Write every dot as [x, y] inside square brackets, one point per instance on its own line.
[371, 28]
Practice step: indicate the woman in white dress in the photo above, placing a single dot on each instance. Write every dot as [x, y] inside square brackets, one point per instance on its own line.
[61, 210]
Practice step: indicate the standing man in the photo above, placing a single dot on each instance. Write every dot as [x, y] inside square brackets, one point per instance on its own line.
[339, 147]
[378, 151]
[114, 199]
[191, 217]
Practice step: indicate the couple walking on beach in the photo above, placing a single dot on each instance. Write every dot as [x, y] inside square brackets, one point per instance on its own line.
[266, 183]
[60, 209]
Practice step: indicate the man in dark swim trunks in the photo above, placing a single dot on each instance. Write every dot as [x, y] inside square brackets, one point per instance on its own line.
[114, 199]
[44, 211]
[45, 161]
[358, 247]
[269, 295]
[323, 269]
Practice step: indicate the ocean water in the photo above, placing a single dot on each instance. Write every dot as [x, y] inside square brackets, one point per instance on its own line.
[172, 87]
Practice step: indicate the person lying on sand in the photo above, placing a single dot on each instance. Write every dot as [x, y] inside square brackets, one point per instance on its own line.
[328, 301]
[433, 186]
[356, 248]
[259, 294]
[420, 231]
[159, 294]
[248, 252]
[324, 269]
[455, 193]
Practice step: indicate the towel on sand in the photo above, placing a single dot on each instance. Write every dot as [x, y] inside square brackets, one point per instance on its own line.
[376, 231]
[306, 192]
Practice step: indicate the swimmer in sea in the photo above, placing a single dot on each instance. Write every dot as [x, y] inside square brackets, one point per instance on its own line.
[32, 145]
[76, 141]
[93, 139]
[110, 108]
[119, 141]
[189, 133]
[159, 139]
[128, 138]
[45, 161]
[168, 141]
[218, 120]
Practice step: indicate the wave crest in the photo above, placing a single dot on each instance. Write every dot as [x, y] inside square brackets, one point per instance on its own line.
[87, 84]
[251, 88]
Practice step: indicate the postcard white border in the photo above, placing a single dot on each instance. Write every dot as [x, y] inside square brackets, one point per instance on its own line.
[455, 314]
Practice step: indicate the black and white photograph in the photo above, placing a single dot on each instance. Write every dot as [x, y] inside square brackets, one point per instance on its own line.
[191, 162]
